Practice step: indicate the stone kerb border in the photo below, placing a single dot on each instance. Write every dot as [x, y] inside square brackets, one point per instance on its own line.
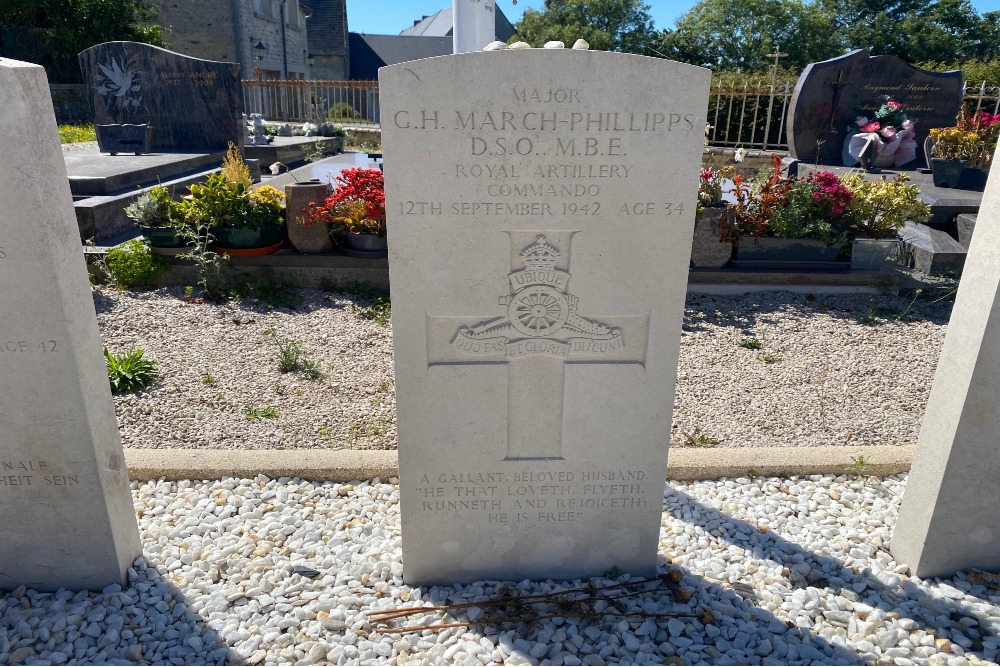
[349, 465]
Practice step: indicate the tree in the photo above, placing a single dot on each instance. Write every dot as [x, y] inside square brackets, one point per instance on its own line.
[739, 36]
[914, 30]
[52, 32]
[608, 25]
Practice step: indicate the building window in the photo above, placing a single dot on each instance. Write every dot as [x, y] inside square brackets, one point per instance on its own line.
[292, 18]
[264, 8]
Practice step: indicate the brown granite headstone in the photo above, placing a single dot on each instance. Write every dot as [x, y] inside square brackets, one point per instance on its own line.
[191, 103]
[830, 94]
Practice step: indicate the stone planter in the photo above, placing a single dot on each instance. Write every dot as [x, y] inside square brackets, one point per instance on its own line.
[872, 254]
[268, 237]
[770, 253]
[306, 238]
[162, 237]
[958, 174]
[126, 138]
[707, 251]
[366, 242]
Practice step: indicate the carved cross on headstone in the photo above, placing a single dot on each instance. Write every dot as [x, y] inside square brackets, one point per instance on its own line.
[837, 85]
[538, 333]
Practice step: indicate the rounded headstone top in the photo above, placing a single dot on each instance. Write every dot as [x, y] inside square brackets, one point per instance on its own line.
[554, 45]
[581, 45]
[495, 46]
[520, 45]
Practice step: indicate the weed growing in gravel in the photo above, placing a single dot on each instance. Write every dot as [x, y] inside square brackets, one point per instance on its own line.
[377, 427]
[352, 433]
[769, 358]
[698, 439]
[292, 358]
[131, 263]
[378, 310]
[753, 475]
[129, 372]
[860, 466]
[208, 379]
[751, 344]
[255, 412]
[325, 431]
[71, 134]
[210, 265]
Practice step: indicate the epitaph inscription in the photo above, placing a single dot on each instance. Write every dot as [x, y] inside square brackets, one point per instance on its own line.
[538, 258]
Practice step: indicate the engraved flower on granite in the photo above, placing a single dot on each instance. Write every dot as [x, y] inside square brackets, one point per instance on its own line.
[119, 84]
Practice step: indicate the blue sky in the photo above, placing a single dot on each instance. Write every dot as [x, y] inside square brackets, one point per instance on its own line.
[389, 17]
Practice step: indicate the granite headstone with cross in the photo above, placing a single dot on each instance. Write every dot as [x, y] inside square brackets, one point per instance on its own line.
[539, 237]
[829, 95]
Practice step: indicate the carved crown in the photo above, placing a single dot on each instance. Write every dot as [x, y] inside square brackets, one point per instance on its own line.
[540, 255]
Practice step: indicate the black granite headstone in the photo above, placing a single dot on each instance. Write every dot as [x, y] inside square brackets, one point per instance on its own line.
[830, 94]
[190, 103]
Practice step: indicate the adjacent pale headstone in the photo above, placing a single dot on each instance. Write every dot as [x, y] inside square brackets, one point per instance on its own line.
[474, 24]
[65, 504]
[829, 95]
[190, 103]
[539, 232]
[950, 516]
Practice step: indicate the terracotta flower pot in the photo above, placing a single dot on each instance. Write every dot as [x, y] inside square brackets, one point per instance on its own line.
[306, 238]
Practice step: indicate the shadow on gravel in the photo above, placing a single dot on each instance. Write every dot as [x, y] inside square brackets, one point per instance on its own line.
[745, 312]
[945, 618]
[103, 303]
[146, 623]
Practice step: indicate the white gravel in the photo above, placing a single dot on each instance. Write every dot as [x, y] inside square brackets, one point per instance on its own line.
[823, 376]
[79, 146]
[779, 571]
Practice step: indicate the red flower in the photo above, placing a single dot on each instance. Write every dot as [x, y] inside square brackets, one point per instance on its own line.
[894, 105]
[873, 126]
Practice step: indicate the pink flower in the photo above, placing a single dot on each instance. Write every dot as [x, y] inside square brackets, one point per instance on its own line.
[894, 105]
[908, 125]
[888, 132]
[861, 121]
[706, 174]
[873, 126]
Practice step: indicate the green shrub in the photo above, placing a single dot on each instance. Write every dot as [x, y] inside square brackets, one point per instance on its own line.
[71, 134]
[129, 372]
[343, 111]
[131, 263]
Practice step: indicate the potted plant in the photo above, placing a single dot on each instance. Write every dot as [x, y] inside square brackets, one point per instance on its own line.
[961, 155]
[877, 212]
[707, 248]
[355, 211]
[243, 221]
[793, 223]
[888, 140]
[158, 217]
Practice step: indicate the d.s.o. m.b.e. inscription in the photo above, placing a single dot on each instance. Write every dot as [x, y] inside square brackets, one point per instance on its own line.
[538, 331]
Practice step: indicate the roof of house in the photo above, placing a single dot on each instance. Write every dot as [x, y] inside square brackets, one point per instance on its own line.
[369, 52]
[441, 24]
[327, 27]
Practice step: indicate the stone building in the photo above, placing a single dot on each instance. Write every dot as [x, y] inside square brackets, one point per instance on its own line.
[328, 40]
[267, 34]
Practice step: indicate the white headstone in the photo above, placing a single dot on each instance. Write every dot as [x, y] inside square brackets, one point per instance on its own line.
[539, 233]
[474, 24]
[950, 516]
[65, 504]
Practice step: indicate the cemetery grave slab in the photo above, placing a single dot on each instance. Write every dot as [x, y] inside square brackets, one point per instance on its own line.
[535, 364]
[92, 173]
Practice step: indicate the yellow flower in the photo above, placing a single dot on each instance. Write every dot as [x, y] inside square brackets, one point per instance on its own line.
[268, 196]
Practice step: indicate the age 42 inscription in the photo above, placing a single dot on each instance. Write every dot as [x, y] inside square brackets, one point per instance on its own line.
[27, 346]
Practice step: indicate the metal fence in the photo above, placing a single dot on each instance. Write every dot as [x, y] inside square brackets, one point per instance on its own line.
[353, 102]
[748, 114]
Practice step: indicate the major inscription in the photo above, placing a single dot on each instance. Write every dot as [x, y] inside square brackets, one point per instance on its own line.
[533, 496]
[554, 183]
